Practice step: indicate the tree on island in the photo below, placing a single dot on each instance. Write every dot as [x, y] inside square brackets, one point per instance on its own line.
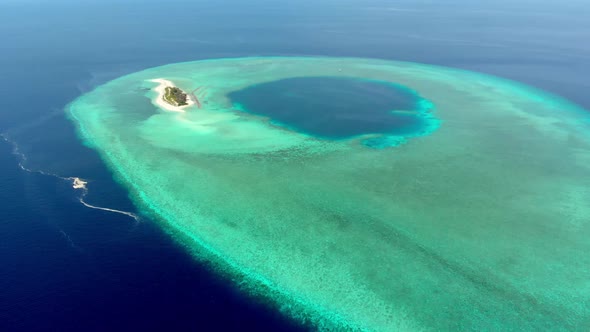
[176, 95]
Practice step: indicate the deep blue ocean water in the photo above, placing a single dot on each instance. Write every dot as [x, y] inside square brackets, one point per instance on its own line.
[64, 267]
[328, 107]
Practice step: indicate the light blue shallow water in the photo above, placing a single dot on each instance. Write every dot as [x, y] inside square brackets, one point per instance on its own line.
[73, 268]
[416, 233]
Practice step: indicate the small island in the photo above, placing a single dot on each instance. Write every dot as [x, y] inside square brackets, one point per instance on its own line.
[174, 96]
[170, 97]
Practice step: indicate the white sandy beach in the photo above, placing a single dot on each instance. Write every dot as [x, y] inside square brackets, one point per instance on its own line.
[161, 89]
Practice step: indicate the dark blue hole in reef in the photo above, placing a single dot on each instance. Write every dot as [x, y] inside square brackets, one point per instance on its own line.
[339, 108]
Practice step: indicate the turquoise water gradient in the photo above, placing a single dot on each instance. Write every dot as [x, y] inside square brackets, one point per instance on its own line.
[338, 107]
[479, 221]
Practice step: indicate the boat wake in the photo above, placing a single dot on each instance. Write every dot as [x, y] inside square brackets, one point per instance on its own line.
[78, 184]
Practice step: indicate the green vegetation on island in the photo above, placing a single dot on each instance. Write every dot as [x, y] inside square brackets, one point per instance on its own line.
[175, 96]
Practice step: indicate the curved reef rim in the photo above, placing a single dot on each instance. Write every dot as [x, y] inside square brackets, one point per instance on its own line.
[418, 118]
[420, 237]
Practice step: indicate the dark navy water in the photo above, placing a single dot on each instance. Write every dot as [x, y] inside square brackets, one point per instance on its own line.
[64, 267]
[334, 107]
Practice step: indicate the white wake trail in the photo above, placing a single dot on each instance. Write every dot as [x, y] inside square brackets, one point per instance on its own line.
[80, 184]
[77, 183]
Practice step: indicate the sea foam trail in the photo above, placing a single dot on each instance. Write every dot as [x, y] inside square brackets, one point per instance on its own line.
[77, 183]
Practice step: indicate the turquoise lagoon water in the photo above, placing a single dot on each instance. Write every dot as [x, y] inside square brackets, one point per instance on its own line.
[72, 268]
[476, 222]
[337, 107]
